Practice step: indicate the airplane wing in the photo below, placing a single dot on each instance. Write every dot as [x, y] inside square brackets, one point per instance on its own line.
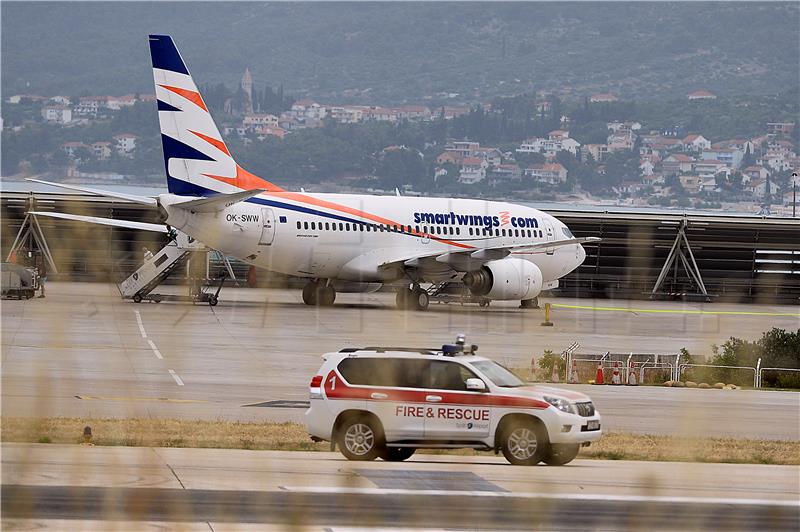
[471, 259]
[104, 221]
[217, 202]
[144, 200]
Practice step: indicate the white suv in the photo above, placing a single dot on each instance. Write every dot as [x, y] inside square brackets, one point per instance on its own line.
[388, 402]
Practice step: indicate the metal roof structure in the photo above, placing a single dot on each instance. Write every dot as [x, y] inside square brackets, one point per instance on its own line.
[738, 257]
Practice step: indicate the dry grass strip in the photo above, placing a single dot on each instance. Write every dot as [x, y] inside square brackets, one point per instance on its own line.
[293, 437]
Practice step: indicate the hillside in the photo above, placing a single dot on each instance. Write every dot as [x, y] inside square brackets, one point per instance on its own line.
[396, 52]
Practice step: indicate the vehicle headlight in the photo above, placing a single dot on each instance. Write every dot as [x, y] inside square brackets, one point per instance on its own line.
[561, 404]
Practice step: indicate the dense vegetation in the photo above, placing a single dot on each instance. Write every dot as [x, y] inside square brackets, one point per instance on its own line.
[395, 52]
[776, 348]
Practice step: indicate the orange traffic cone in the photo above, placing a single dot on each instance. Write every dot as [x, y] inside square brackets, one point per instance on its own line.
[573, 375]
[554, 376]
[615, 376]
[599, 378]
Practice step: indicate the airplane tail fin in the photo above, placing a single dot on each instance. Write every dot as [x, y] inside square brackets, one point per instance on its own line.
[196, 159]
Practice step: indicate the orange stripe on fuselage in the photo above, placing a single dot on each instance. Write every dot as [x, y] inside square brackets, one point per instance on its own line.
[192, 96]
[247, 181]
[214, 142]
[302, 198]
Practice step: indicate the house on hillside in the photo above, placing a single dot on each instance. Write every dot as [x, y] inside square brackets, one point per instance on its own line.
[57, 114]
[552, 173]
[754, 172]
[730, 156]
[758, 187]
[695, 143]
[101, 150]
[677, 163]
[125, 144]
[598, 152]
[473, 170]
[503, 173]
[71, 148]
[690, 183]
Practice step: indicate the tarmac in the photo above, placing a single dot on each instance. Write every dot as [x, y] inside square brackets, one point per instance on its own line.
[72, 487]
[84, 352]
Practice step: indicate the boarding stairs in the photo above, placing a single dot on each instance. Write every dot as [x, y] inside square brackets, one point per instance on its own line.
[157, 268]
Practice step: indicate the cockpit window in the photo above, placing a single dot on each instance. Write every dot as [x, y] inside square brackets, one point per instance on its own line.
[567, 232]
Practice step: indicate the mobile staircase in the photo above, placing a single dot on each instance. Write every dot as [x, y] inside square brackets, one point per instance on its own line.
[141, 283]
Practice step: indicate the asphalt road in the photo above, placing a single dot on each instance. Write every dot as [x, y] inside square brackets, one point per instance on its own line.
[83, 352]
[64, 487]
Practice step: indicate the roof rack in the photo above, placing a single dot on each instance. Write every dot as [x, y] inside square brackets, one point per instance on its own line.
[420, 350]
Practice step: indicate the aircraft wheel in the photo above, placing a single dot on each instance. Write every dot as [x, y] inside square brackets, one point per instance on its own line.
[420, 299]
[404, 298]
[326, 296]
[310, 291]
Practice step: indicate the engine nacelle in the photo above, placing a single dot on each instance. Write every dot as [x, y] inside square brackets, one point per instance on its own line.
[505, 279]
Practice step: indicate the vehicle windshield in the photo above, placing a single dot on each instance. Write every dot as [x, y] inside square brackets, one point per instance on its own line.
[498, 374]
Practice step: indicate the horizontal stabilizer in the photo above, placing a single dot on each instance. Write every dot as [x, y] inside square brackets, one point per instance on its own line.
[104, 221]
[144, 200]
[218, 202]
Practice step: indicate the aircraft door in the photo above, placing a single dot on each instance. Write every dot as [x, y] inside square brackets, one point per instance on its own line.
[268, 227]
[549, 234]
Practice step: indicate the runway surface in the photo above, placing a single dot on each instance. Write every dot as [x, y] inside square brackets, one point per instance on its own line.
[84, 352]
[72, 487]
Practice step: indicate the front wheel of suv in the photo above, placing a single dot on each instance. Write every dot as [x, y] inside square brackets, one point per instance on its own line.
[524, 443]
[397, 454]
[359, 438]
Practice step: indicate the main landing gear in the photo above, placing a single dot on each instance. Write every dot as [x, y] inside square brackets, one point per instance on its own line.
[412, 298]
[529, 303]
[319, 293]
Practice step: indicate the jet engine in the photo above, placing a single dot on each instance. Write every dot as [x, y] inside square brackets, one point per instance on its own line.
[505, 279]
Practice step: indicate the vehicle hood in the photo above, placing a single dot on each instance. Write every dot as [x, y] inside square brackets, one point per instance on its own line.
[537, 391]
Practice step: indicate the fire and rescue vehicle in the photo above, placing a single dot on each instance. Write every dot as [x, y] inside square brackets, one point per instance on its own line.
[389, 401]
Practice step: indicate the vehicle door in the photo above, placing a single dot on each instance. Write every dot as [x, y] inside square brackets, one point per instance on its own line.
[391, 387]
[455, 413]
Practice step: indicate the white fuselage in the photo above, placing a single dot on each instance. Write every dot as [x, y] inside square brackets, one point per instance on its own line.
[355, 237]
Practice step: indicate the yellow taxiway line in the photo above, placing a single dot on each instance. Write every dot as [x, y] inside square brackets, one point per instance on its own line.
[672, 311]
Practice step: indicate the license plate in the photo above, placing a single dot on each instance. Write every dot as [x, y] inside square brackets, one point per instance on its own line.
[593, 425]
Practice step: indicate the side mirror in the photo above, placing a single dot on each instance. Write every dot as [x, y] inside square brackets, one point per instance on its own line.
[476, 385]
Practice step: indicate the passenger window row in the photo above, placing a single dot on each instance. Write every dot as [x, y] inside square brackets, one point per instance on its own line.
[432, 230]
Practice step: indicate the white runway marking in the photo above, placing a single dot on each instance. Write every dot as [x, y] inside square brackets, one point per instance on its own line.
[559, 496]
[141, 325]
[155, 350]
[178, 380]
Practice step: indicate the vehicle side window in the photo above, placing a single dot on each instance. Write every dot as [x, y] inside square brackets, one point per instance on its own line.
[449, 375]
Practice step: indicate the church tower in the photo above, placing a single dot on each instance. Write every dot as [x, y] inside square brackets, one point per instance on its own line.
[247, 87]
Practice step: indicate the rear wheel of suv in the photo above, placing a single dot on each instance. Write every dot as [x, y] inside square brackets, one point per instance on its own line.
[359, 439]
[523, 443]
[397, 454]
[561, 454]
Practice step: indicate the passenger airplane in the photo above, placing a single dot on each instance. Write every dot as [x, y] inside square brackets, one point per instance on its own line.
[501, 251]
